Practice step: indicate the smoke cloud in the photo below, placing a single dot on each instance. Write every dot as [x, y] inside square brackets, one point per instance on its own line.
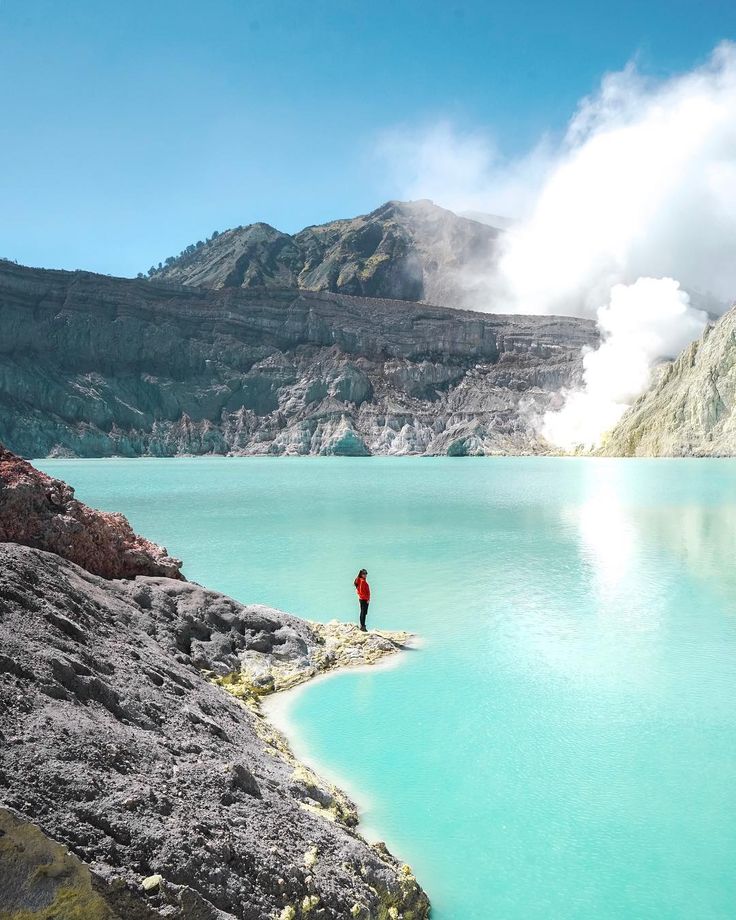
[641, 191]
[642, 322]
[464, 171]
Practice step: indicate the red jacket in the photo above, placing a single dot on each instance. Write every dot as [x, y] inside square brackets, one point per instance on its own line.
[363, 588]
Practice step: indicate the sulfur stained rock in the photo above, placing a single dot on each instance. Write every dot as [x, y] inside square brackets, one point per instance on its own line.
[690, 408]
[41, 879]
[296, 659]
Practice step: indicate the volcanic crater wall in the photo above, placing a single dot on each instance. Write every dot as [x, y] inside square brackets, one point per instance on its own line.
[96, 366]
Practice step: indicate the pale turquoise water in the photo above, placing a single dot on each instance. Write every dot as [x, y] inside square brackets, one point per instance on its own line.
[565, 744]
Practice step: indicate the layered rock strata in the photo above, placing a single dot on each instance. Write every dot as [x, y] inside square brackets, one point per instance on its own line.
[690, 409]
[98, 366]
[132, 787]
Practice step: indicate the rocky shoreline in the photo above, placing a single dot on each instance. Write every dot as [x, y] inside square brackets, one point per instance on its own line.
[133, 786]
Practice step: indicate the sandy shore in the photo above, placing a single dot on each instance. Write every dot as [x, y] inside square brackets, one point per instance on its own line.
[269, 688]
[278, 709]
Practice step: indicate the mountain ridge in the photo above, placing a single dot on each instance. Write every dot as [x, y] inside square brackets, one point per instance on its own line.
[411, 250]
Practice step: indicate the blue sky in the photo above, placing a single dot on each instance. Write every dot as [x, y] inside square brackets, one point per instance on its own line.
[131, 129]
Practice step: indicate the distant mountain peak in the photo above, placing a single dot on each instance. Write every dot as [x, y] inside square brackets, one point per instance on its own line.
[404, 250]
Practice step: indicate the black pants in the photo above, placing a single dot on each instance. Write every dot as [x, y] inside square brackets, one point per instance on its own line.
[363, 613]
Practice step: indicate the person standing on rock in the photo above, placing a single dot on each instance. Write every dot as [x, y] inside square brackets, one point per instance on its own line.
[364, 596]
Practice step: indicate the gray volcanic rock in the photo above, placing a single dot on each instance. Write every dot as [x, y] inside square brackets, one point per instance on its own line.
[690, 410]
[42, 512]
[96, 366]
[256, 256]
[404, 250]
[133, 787]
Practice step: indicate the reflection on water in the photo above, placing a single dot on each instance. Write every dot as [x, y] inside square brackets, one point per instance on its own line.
[607, 538]
[616, 532]
[703, 539]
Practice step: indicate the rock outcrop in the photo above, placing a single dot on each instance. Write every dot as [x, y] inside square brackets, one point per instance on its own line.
[133, 787]
[690, 410]
[404, 250]
[39, 511]
[95, 366]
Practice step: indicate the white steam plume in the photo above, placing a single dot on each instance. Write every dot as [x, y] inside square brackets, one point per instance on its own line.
[643, 322]
[643, 186]
[464, 170]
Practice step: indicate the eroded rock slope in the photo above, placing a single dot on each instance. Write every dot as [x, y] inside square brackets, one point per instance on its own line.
[95, 366]
[690, 410]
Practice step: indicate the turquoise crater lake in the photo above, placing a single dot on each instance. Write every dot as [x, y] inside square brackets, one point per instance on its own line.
[563, 745]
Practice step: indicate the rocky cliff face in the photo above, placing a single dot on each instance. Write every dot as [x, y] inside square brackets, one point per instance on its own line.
[404, 250]
[95, 366]
[39, 511]
[138, 777]
[690, 410]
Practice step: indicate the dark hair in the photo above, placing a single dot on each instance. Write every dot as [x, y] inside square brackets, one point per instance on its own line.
[361, 573]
